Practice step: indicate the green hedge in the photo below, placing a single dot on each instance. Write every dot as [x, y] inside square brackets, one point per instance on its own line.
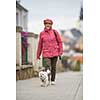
[75, 66]
[64, 61]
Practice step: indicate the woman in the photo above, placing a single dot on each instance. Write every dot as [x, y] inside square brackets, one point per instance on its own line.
[50, 45]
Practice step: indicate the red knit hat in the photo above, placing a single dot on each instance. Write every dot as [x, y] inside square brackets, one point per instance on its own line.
[48, 21]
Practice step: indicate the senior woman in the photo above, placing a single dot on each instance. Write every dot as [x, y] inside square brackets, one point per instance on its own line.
[50, 45]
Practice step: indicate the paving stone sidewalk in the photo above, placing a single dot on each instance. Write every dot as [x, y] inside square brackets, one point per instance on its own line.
[68, 87]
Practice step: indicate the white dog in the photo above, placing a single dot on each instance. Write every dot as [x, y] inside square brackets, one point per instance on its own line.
[44, 77]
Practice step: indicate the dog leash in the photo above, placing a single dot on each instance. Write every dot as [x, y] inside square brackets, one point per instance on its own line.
[37, 63]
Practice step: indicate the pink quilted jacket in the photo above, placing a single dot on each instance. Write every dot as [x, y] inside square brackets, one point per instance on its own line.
[48, 45]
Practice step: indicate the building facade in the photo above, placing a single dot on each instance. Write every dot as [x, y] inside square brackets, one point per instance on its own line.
[21, 17]
[26, 46]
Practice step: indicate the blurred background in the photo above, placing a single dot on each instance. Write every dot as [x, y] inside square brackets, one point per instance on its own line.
[67, 16]
[64, 13]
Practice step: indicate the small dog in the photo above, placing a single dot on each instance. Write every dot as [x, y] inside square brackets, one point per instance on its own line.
[44, 76]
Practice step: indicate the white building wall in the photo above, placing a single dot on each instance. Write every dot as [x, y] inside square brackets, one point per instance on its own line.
[22, 21]
[18, 49]
[37, 63]
[18, 11]
[30, 49]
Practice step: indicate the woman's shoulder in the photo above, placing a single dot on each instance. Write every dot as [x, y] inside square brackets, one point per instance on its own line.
[42, 32]
[55, 31]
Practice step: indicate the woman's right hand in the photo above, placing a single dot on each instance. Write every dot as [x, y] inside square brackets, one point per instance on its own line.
[37, 59]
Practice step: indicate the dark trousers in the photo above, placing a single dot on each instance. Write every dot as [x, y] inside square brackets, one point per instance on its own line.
[50, 63]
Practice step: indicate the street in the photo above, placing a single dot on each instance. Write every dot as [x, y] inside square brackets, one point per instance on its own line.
[69, 86]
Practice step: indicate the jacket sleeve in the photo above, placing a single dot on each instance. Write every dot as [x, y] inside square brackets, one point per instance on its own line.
[60, 43]
[39, 49]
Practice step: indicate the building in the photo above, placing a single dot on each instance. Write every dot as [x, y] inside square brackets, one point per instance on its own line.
[26, 55]
[26, 46]
[21, 16]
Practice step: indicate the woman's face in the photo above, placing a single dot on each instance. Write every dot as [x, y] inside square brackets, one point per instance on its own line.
[48, 25]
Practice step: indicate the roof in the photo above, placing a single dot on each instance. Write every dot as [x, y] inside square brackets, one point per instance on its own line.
[20, 6]
[76, 32]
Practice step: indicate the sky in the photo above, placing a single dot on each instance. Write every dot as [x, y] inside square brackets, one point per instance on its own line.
[64, 13]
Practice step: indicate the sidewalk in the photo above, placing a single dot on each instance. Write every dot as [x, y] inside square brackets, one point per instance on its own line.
[68, 87]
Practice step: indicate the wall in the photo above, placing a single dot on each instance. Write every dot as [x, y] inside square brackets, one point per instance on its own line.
[30, 70]
[22, 19]
[39, 62]
[32, 50]
[18, 48]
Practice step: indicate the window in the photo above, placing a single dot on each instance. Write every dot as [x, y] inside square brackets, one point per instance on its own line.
[25, 22]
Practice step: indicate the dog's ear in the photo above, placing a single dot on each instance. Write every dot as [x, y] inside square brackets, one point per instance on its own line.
[48, 71]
